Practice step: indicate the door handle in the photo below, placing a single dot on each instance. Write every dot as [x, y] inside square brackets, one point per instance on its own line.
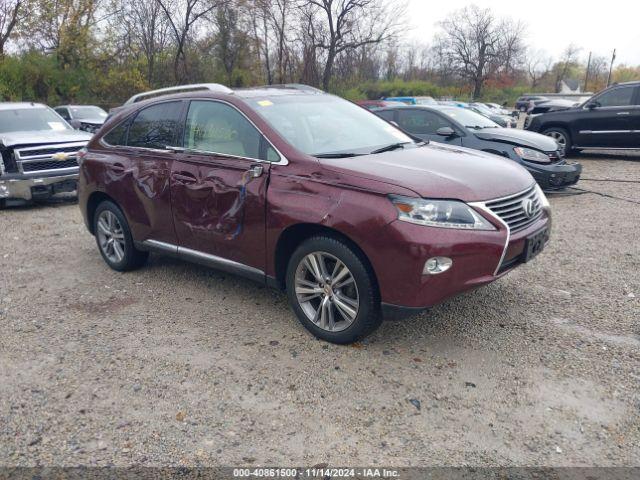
[622, 113]
[185, 177]
[118, 167]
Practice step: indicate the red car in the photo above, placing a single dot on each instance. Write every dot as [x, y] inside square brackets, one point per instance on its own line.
[307, 192]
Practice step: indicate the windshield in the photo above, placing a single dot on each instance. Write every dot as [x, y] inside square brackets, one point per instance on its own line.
[30, 119]
[87, 112]
[483, 109]
[324, 124]
[469, 118]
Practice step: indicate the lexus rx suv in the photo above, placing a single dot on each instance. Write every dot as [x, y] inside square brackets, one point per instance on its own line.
[306, 192]
[608, 120]
[39, 152]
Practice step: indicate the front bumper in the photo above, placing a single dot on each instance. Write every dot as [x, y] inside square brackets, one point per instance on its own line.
[554, 176]
[476, 257]
[25, 187]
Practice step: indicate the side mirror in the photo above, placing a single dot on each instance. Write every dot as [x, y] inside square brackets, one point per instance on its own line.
[446, 132]
[593, 105]
[75, 123]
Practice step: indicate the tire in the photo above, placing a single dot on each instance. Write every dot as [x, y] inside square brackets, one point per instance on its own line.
[561, 136]
[352, 292]
[119, 252]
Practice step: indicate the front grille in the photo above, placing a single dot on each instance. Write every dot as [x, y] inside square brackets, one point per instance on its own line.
[512, 209]
[47, 150]
[36, 159]
[49, 165]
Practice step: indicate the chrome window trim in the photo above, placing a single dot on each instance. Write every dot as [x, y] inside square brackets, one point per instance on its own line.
[595, 132]
[283, 159]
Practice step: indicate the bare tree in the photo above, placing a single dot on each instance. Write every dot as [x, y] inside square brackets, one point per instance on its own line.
[477, 45]
[538, 67]
[11, 11]
[344, 25]
[569, 59]
[182, 15]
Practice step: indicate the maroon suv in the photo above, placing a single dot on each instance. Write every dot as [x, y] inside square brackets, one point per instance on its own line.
[310, 193]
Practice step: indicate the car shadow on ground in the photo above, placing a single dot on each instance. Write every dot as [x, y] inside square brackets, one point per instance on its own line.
[624, 155]
[457, 316]
[60, 200]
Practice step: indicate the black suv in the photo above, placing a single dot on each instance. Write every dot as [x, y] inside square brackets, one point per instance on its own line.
[608, 120]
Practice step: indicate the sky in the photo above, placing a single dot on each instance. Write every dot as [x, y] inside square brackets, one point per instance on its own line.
[551, 24]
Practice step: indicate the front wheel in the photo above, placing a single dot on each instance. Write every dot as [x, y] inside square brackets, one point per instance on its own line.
[561, 136]
[333, 291]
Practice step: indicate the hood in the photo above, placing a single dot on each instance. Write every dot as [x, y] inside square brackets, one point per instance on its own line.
[92, 121]
[43, 136]
[518, 137]
[439, 171]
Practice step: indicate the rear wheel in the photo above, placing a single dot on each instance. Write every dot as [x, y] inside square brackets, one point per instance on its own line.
[561, 136]
[114, 239]
[332, 291]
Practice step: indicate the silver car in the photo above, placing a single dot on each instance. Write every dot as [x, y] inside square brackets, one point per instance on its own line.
[39, 152]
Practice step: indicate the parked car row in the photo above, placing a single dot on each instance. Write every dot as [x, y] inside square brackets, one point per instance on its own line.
[357, 215]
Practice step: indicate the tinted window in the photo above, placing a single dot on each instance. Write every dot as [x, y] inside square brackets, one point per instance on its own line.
[63, 112]
[219, 128]
[618, 97]
[118, 135]
[421, 122]
[155, 126]
[387, 115]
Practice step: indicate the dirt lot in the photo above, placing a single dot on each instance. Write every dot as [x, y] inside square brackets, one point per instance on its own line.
[179, 365]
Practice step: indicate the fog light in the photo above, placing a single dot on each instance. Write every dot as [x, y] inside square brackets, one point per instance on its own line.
[436, 265]
[4, 191]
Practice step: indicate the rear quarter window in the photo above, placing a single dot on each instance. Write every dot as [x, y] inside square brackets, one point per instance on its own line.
[156, 126]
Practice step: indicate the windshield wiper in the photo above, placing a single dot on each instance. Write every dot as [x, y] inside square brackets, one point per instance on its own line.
[388, 148]
[337, 155]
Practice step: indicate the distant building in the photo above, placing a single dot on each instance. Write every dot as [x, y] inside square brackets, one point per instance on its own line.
[569, 86]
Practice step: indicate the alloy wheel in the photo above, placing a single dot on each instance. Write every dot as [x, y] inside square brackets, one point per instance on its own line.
[558, 137]
[326, 291]
[111, 236]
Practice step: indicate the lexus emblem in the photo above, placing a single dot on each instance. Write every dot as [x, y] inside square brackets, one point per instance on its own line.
[528, 207]
[59, 156]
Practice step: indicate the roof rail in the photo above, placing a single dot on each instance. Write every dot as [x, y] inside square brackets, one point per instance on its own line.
[295, 86]
[213, 87]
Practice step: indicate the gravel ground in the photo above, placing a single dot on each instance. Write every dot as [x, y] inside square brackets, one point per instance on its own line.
[175, 364]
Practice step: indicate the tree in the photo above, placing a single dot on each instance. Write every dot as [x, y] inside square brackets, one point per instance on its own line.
[11, 12]
[538, 67]
[182, 16]
[144, 30]
[568, 61]
[478, 45]
[345, 25]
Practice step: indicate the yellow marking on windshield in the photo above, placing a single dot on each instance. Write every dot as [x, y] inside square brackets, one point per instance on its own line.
[265, 103]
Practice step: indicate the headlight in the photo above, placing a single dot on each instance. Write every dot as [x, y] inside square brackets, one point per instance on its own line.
[532, 155]
[543, 198]
[439, 213]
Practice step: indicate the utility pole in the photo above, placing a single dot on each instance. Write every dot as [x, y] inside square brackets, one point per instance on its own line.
[613, 57]
[586, 76]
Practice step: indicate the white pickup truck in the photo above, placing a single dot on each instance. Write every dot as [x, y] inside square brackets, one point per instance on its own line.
[38, 152]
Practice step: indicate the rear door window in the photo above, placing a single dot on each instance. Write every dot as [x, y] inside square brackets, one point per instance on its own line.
[421, 122]
[156, 126]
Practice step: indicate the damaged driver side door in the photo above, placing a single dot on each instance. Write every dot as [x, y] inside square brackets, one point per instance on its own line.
[218, 188]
